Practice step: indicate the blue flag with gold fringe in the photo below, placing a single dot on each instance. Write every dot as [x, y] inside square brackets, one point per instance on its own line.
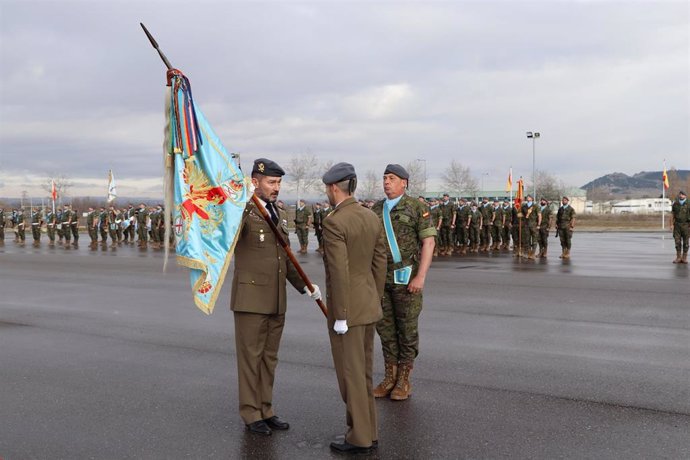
[207, 190]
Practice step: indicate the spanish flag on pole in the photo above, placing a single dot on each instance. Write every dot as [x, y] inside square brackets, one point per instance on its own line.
[509, 184]
[665, 178]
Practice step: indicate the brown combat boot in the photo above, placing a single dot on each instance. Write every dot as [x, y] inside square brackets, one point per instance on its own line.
[685, 258]
[384, 388]
[530, 255]
[678, 259]
[403, 388]
[566, 255]
[543, 254]
[562, 256]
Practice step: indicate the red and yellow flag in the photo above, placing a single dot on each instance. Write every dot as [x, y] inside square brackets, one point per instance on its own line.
[665, 179]
[509, 184]
[520, 192]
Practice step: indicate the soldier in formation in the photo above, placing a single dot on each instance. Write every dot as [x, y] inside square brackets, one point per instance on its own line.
[2, 226]
[302, 226]
[316, 221]
[507, 224]
[142, 222]
[497, 222]
[447, 212]
[36, 224]
[531, 221]
[20, 225]
[565, 223]
[462, 218]
[680, 221]
[544, 227]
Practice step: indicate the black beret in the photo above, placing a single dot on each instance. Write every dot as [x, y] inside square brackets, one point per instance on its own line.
[397, 170]
[267, 168]
[338, 173]
[682, 193]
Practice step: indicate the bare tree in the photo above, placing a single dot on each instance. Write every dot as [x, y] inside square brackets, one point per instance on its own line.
[304, 173]
[62, 186]
[458, 180]
[417, 181]
[369, 187]
[549, 186]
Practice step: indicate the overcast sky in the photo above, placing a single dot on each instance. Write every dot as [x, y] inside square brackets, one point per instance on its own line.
[605, 83]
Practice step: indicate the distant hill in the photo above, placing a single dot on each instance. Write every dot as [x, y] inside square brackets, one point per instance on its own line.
[641, 185]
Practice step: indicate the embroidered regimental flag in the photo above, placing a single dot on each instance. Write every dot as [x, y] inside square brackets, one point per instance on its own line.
[210, 193]
[112, 188]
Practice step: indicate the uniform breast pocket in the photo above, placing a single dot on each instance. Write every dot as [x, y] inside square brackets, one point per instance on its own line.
[258, 239]
[256, 279]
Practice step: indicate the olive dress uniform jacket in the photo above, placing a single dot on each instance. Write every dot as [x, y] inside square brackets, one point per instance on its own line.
[261, 266]
[355, 261]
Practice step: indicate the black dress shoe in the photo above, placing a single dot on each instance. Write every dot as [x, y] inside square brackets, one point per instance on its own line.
[374, 444]
[347, 448]
[259, 427]
[276, 423]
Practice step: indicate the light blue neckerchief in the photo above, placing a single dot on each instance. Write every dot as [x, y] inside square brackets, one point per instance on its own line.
[401, 275]
[682, 202]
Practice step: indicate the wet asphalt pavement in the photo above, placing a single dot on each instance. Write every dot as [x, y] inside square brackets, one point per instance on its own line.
[102, 355]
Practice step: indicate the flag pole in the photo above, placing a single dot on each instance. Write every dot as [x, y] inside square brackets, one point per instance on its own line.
[256, 201]
[663, 199]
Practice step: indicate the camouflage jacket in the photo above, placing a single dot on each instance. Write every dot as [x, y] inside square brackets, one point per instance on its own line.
[301, 216]
[476, 219]
[545, 217]
[412, 223]
[530, 215]
[463, 215]
[497, 216]
[565, 216]
[446, 210]
[680, 212]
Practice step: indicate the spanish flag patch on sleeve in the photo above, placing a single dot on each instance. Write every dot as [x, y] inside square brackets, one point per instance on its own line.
[426, 214]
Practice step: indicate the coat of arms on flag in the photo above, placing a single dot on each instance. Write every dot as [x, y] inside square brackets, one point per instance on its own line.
[209, 190]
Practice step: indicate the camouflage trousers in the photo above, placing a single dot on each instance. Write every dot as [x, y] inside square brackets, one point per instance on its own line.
[566, 234]
[474, 233]
[505, 235]
[496, 234]
[36, 232]
[681, 235]
[462, 234]
[398, 329]
[543, 238]
[530, 237]
[142, 233]
[485, 235]
[93, 233]
[75, 232]
[444, 236]
[302, 234]
[66, 234]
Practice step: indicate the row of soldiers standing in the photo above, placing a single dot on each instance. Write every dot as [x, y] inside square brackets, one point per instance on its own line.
[120, 225]
[467, 226]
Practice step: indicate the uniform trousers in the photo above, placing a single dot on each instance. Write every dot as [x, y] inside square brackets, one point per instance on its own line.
[257, 338]
[353, 361]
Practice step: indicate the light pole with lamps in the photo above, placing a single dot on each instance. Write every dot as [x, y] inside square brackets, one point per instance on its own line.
[483, 174]
[534, 136]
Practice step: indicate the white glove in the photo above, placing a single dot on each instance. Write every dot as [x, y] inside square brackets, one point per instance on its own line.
[340, 326]
[316, 295]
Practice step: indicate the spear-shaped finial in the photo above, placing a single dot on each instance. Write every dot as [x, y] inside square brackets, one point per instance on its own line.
[155, 45]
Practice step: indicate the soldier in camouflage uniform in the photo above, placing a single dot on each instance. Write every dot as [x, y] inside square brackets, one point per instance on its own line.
[680, 220]
[142, 216]
[507, 224]
[103, 225]
[154, 218]
[74, 226]
[2, 226]
[66, 224]
[51, 224]
[447, 213]
[544, 227]
[112, 226]
[474, 227]
[531, 220]
[485, 231]
[91, 225]
[497, 221]
[302, 226]
[161, 226]
[402, 301]
[36, 223]
[565, 221]
[20, 225]
[462, 217]
[316, 220]
[435, 212]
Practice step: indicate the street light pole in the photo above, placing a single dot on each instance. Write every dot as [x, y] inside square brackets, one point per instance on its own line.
[534, 137]
[483, 174]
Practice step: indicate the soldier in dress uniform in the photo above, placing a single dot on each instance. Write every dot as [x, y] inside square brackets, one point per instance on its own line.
[410, 234]
[258, 300]
[531, 221]
[302, 225]
[565, 221]
[544, 227]
[355, 264]
[680, 221]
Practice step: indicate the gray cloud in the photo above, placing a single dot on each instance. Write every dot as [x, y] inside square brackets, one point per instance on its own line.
[606, 83]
